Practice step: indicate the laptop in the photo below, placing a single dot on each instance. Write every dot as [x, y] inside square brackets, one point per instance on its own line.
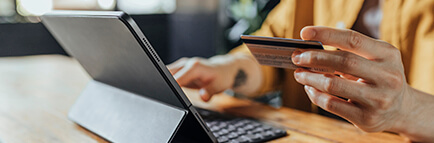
[132, 96]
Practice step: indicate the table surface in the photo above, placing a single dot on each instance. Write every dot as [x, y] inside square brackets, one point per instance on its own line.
[36, 93]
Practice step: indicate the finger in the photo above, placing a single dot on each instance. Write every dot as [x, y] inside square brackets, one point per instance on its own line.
[207, 93]
[347, 40]
[332, 84]
[188, 74]
[204, 95]
[195, 84]
[341, 61]
[333, 104]
[177, 65]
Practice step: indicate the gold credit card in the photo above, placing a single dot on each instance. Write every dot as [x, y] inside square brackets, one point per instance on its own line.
[276, 52]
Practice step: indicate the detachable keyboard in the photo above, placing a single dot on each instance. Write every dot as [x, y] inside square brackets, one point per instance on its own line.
[231, 129]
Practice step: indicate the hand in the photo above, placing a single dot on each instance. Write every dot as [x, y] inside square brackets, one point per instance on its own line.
[371, 78]
[215, 75]
[211, 76]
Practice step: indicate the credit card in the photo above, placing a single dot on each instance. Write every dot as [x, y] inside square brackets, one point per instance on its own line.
[276, 52]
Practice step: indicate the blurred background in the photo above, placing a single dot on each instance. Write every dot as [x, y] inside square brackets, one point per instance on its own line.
[175, 28]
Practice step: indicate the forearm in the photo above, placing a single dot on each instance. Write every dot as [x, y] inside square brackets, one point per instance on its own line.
[418, 123]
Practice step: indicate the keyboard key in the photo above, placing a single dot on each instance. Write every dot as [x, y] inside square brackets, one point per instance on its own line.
[222, 125]
[243, 139]
[222, 139]
[253, 137]
[231, 127]
[232, 135]
[211, 123]
[240, 124]
[279, 131]
[258, 130]
[268, 134]
[248, 127]
[214, 129]
[233, 141]
[224, 132]
[265, 127]
[241, 132]
[216, 134]
[259, 136]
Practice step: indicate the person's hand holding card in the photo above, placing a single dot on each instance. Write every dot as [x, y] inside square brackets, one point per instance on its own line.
[379, 97]
[369, 73]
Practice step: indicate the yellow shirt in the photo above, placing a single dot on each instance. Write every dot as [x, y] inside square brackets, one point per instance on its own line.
[406, 24]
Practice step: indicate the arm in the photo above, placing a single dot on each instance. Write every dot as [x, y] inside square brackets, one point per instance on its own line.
[371, 78]
[418, 123]
[239, 72]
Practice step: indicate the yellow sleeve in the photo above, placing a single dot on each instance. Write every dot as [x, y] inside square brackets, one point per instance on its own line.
[273, 26]
[421, 65]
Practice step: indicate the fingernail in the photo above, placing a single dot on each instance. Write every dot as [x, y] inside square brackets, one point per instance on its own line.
[203, 94]
[308, 89]
[308, 33]
[297, 75]
[296, 56]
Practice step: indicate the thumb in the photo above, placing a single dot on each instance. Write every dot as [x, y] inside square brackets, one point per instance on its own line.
[206, 93]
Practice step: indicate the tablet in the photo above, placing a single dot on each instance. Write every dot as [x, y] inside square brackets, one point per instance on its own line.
[115, 53]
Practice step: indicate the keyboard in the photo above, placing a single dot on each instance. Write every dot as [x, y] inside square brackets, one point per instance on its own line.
[232, 129]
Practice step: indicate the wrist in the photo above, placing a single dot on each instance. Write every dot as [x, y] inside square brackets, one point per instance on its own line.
[248, 74]
[405, 116]
[414, 121]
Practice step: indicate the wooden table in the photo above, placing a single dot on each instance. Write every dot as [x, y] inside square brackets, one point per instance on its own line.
[36, 93]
